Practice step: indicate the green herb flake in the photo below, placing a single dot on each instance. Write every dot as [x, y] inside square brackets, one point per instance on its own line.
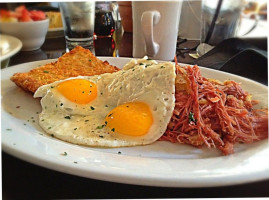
[61, 104]
[52, 135]
[64, 154]
[51, 86]
[83, 92]
[90, 60]
[75, 162]
[119, 152]
[149, 59]
[110, 115]
[75, 129]
[100, 127]
[106, 105]
[162, 67]
[113, 129]
[9, 129]
[191, 117]
[67, 117]
[141, 63]
[46, 71]
[86, 120]
[49, 127]
[92, 108]
[101, 136]
[147, 65]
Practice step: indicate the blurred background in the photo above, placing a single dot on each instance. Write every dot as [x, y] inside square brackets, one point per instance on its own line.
[113, 26]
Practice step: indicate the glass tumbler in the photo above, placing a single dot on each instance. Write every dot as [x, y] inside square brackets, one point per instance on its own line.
[78, 20]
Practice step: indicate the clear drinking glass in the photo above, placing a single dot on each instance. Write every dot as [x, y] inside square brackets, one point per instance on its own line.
[78, 20]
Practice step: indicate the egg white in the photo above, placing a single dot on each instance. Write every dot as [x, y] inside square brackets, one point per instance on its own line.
[153, 84]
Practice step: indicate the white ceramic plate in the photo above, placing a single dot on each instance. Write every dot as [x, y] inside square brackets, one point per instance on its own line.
[9, 46]
[158, 164]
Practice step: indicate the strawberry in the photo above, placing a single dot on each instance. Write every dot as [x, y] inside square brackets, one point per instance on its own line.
[25, 17]
[37, 15]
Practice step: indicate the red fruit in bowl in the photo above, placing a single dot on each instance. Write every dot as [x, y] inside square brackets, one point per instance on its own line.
[37, 15]
[19, 9]
[25, 16]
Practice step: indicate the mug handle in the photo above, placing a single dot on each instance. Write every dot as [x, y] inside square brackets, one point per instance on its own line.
[148, 20]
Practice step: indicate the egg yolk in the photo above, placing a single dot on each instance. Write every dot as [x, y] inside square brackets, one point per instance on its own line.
[79, 91]
[134, 119]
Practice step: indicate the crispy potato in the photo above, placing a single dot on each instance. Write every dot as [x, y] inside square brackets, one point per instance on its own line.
[78, 62]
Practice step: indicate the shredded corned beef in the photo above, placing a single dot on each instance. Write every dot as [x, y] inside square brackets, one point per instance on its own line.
[214, 114]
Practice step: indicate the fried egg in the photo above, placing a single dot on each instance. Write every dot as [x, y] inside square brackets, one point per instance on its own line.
[126, 108]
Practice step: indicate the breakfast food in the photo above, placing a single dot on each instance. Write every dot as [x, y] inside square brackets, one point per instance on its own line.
[142, 103]
[77, 62]
[55, 19]
[213, 113]
[126, 108]
[21, 14]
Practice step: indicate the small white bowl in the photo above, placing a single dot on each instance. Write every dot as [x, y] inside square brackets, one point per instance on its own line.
[32, 34]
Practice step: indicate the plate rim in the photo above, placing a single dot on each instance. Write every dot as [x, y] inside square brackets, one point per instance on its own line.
[15, 50]
[149, 181]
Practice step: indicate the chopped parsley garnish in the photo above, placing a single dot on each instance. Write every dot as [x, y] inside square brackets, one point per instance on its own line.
[46, 71]
[147, 65]
[101, 136]
[49, 128]
[9, 129]
[61, 104]
[162, 67]
[90, 60]
[113, 129]
[67, 117]
[64, 154]
[100, 127]
[141, 63]
[110, 115]
[149, 59]
[92, 108]
[75, 129]
[106, 105]
[86, 120]
[51, 87]
[83, 92]
[191, 117]
[119, 152]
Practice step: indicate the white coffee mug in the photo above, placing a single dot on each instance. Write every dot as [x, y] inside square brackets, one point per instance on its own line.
[155, 28]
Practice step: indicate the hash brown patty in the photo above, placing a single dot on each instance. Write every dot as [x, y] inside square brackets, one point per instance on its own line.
[77, 62]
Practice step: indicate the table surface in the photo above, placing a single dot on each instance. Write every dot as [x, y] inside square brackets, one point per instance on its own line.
[24, 180]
